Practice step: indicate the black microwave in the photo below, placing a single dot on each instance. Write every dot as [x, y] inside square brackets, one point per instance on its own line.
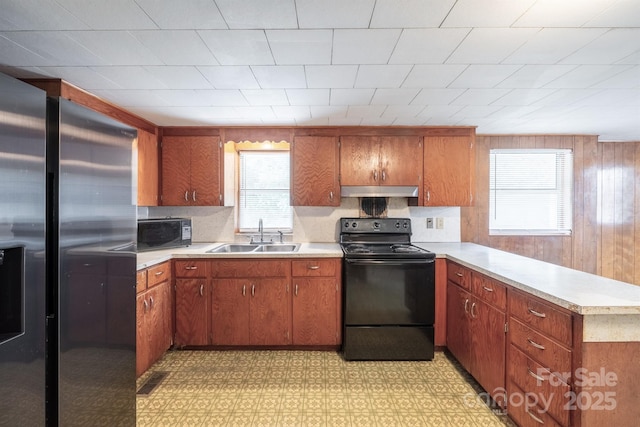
[163, 233]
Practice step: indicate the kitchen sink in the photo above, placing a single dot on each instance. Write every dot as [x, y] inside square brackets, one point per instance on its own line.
[255, 248]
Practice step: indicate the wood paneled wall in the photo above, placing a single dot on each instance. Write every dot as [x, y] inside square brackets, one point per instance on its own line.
[606, 218]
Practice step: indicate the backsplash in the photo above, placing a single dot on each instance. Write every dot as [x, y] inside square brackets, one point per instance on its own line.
[313, 224]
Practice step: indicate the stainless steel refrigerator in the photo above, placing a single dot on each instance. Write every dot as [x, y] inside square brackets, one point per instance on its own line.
[67, 263]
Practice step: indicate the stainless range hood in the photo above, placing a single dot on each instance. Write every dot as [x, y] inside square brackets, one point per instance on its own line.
[379, 191]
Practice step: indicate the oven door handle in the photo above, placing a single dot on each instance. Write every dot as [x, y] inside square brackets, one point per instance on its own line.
[388, 261]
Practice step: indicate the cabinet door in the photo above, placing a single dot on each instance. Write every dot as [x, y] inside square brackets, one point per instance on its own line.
[449, 170]
[270, 312]
[458, 339]
[488, 341]
[359, 160]
[142, 338]
[176, 171]
[164, 306]
[314, 171]
[230, 318]
[401, 159]
[192, 314]
[148, 170]
[315, 311]
[206, 171]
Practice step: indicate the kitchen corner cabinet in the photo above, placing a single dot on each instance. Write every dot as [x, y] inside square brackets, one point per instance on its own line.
[381, 160]
[251, 302]
[154, 315]
[314, 171]
[192, 171]
[476, 328]
[449, 170]
[193, 295]
[148, 169]
[316, 301]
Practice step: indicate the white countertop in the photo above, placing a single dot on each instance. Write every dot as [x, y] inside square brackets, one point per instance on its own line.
[580, 292]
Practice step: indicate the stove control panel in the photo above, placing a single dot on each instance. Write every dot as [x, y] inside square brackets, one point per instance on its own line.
[375, 225]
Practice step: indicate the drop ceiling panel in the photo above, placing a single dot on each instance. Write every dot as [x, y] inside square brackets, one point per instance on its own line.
[183, 14]
[490, 45]
[132, 98]
[308, 96]
[334, 13]
[351, 96]
[40, 15]
[84, 77]
[130, 77]
[230, 77]
[241, 47]
[20, 56]
[523, 97]
[363, 46]
[176, 47]
[427, 46]
[252, 14]
[535, 76]
[179, 77]
[266, 97]
[292, 112]
[587, 76]
[486, 13]
[395, 97]
[433, 76]
[55, 47]
[566, 13]
[623, 13]
[109, 15]
[203, 98]
[480, 96]
[609, 48]
[437, 97]
[115, 47]
[362, 111]
[629, 78]
[381, 76]
[331, 76]
[402, 111]
[410, 13]
[281, 76]
[300, 46]
[483, 76]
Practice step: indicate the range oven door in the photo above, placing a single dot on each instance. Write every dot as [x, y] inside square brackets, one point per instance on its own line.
[389, 309]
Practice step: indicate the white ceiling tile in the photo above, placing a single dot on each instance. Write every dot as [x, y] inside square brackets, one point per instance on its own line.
[586, 76]
[351, 96]
[256, 113]
[83, 77]
[385, 76]
[565, 13]
[130, 77]
[266, 96]
[363, 46]
[623, 13]
[20, 57]
[109, 15]
[239, 47]
[479, 96]
[292, 47]
[280, 76]
[308, 96]
[55, 46]
[490, 45]
[319, 111]
[436, 96]
[614, 98]
[627, 79]
[37, 15]
[365, 110]
[535, 76]
[440, 112]
[253, 14]
[523, 96]
[377, 121]
[292, 112]
[115, 47]
[410, 13]
[179, 77]
[334, 13]
[184, 14]
[433, 76]
[176, 47]
[486, 13]
[402, 111]
[474, 111]
[331, 76]
[230, 77]
[131, 98]
[394, 97]
[344, 121]
[611, 47]
[562, 98]
[483, 76]
[551, 45]
[203, 98]
[427, 46]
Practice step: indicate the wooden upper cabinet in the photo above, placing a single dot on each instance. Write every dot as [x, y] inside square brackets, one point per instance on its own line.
[314, 171]
[381, 160]
[148, 169]
[191, 171]
[449, 170]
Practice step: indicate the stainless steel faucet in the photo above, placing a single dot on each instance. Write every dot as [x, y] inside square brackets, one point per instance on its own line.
[261, 230]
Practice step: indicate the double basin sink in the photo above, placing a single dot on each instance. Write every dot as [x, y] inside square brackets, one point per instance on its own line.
[230, 248]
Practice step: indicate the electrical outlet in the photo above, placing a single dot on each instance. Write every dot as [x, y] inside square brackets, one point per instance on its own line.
[429, 222]
[439, 223]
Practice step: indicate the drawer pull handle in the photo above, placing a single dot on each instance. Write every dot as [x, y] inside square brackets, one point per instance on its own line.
[191, 268]
[535, 344]
[537, 313]
[534, 375]
[487, 289]
[159, 273]
[459, 274]
[314, 267]
[536, 419]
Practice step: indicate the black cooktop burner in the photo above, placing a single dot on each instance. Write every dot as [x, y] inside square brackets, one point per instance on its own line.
[383, 249]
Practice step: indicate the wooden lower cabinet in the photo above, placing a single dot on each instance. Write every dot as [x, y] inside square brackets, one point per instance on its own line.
[315, 311]
[192, 311]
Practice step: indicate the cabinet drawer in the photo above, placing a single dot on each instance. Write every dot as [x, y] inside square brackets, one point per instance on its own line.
[551, 393]
[541, 316]
[191, 268]
[314, 267]
[525, 412]
[251, 268]
[141, 281]
[489, 290]
[459, 275]
[535, 345]
[158, 274]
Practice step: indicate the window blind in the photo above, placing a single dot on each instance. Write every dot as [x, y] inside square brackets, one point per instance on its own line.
[531, 191]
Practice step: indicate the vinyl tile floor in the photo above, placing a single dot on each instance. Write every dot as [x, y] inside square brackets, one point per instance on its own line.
[310, 388]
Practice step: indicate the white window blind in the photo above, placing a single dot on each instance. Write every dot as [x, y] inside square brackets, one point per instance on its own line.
[264, 191]
[531, 191]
